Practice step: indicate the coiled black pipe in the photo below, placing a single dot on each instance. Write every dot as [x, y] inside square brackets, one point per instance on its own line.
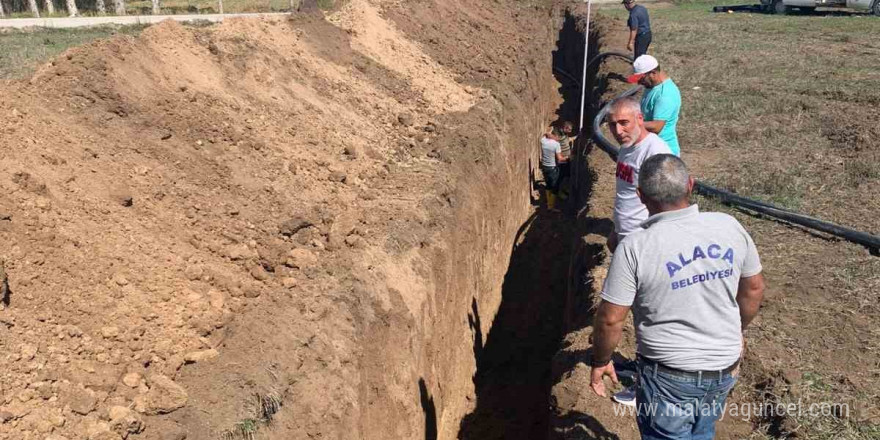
[872, 242]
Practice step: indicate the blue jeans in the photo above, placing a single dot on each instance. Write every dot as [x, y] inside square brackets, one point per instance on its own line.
[551, 178]
[673, 406]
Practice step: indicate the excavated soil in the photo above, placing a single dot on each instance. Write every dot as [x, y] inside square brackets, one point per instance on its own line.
[311, 220]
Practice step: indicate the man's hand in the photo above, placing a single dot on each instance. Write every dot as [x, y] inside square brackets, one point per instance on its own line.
[596, 376]
[629, 46]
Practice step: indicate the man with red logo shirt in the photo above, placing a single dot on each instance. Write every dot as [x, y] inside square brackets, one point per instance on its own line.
[637, 144]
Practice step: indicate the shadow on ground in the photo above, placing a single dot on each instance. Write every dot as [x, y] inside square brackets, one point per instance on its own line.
[513, 368]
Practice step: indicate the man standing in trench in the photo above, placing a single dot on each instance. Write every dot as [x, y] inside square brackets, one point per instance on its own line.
[639, 28]
[661, 102]
[551, 159]
[693, 281]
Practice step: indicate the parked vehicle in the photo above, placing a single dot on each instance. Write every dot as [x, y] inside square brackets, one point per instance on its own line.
[784, 6]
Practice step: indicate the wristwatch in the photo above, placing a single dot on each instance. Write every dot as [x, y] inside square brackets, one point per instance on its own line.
[599, 363]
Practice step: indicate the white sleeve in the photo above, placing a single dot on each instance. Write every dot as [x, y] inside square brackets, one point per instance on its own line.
[620, 284]
[751, 262]
[661, 148]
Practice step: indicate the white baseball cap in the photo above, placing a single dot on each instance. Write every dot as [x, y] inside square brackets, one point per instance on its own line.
[641, 66]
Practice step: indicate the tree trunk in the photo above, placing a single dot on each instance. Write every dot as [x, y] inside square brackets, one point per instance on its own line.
[120, 7]
[2, 14]
[71, 8]
[156, 7]
[221, 5]
[295, 5]
[50, 7]
[34, 10]
[100, 6]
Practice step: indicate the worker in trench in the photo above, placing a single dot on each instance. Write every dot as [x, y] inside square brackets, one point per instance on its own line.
[566, 142]
[693, 282]
[551, 159]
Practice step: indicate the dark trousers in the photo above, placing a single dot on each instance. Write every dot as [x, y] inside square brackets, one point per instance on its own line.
[641, 45]
[551, 178]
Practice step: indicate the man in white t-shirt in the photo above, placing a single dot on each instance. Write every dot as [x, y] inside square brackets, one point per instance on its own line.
[637, 144]
[551, 159]
[693, 282]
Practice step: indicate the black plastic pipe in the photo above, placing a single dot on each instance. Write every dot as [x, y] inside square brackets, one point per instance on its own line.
[872, 242]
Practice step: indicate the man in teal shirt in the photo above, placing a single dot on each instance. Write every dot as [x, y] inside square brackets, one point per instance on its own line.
[661, 102]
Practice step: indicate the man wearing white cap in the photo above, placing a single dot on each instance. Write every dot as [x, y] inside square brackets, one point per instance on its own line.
[639, 28]
[661, 102]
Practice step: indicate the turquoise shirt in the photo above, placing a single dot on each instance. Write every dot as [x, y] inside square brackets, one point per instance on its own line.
[662, 103]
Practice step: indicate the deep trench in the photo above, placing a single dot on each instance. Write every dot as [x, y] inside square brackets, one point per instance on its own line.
[514, 377]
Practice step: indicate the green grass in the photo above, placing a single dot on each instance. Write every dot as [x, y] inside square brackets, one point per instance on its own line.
[789, 103]
[209, 7]
[21, 52]
[170, 7]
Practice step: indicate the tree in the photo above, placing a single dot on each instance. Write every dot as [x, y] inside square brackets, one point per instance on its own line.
[101, 7]
[2, 14]
[34, 10]
[50, 7]
[120, 7]
[71, 8]
[155, 7]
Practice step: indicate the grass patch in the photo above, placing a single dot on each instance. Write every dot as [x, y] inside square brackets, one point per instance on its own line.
[145, 7]
[789, 102]
[172, 7]
[21, 51]
[262, 408]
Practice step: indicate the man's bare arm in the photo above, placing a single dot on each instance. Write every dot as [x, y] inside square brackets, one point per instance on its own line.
[632, 39]
[655, 126]
[749, 296]
[607, 329]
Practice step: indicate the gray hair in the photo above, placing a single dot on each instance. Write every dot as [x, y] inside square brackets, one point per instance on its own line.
[628, 103]
[663, 178]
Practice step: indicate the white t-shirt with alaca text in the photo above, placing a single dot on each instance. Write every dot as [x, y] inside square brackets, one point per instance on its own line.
[680, 274]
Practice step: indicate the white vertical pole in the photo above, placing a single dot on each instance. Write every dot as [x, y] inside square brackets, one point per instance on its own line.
[586, 54]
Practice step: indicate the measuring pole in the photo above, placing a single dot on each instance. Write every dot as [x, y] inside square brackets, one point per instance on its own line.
[586, 54]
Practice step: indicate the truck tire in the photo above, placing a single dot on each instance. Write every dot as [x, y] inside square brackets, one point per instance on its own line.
[876, 8]
[777, 7]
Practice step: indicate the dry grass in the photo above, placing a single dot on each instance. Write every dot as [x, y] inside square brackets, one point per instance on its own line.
[785, 109]
[145, 7]
[262, 408]
[22, 51]
[790, 102]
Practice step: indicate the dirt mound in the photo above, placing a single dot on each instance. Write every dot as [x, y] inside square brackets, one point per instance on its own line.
[207, 228]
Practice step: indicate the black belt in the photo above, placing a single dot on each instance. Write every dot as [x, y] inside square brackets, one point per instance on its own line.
[660, 368]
